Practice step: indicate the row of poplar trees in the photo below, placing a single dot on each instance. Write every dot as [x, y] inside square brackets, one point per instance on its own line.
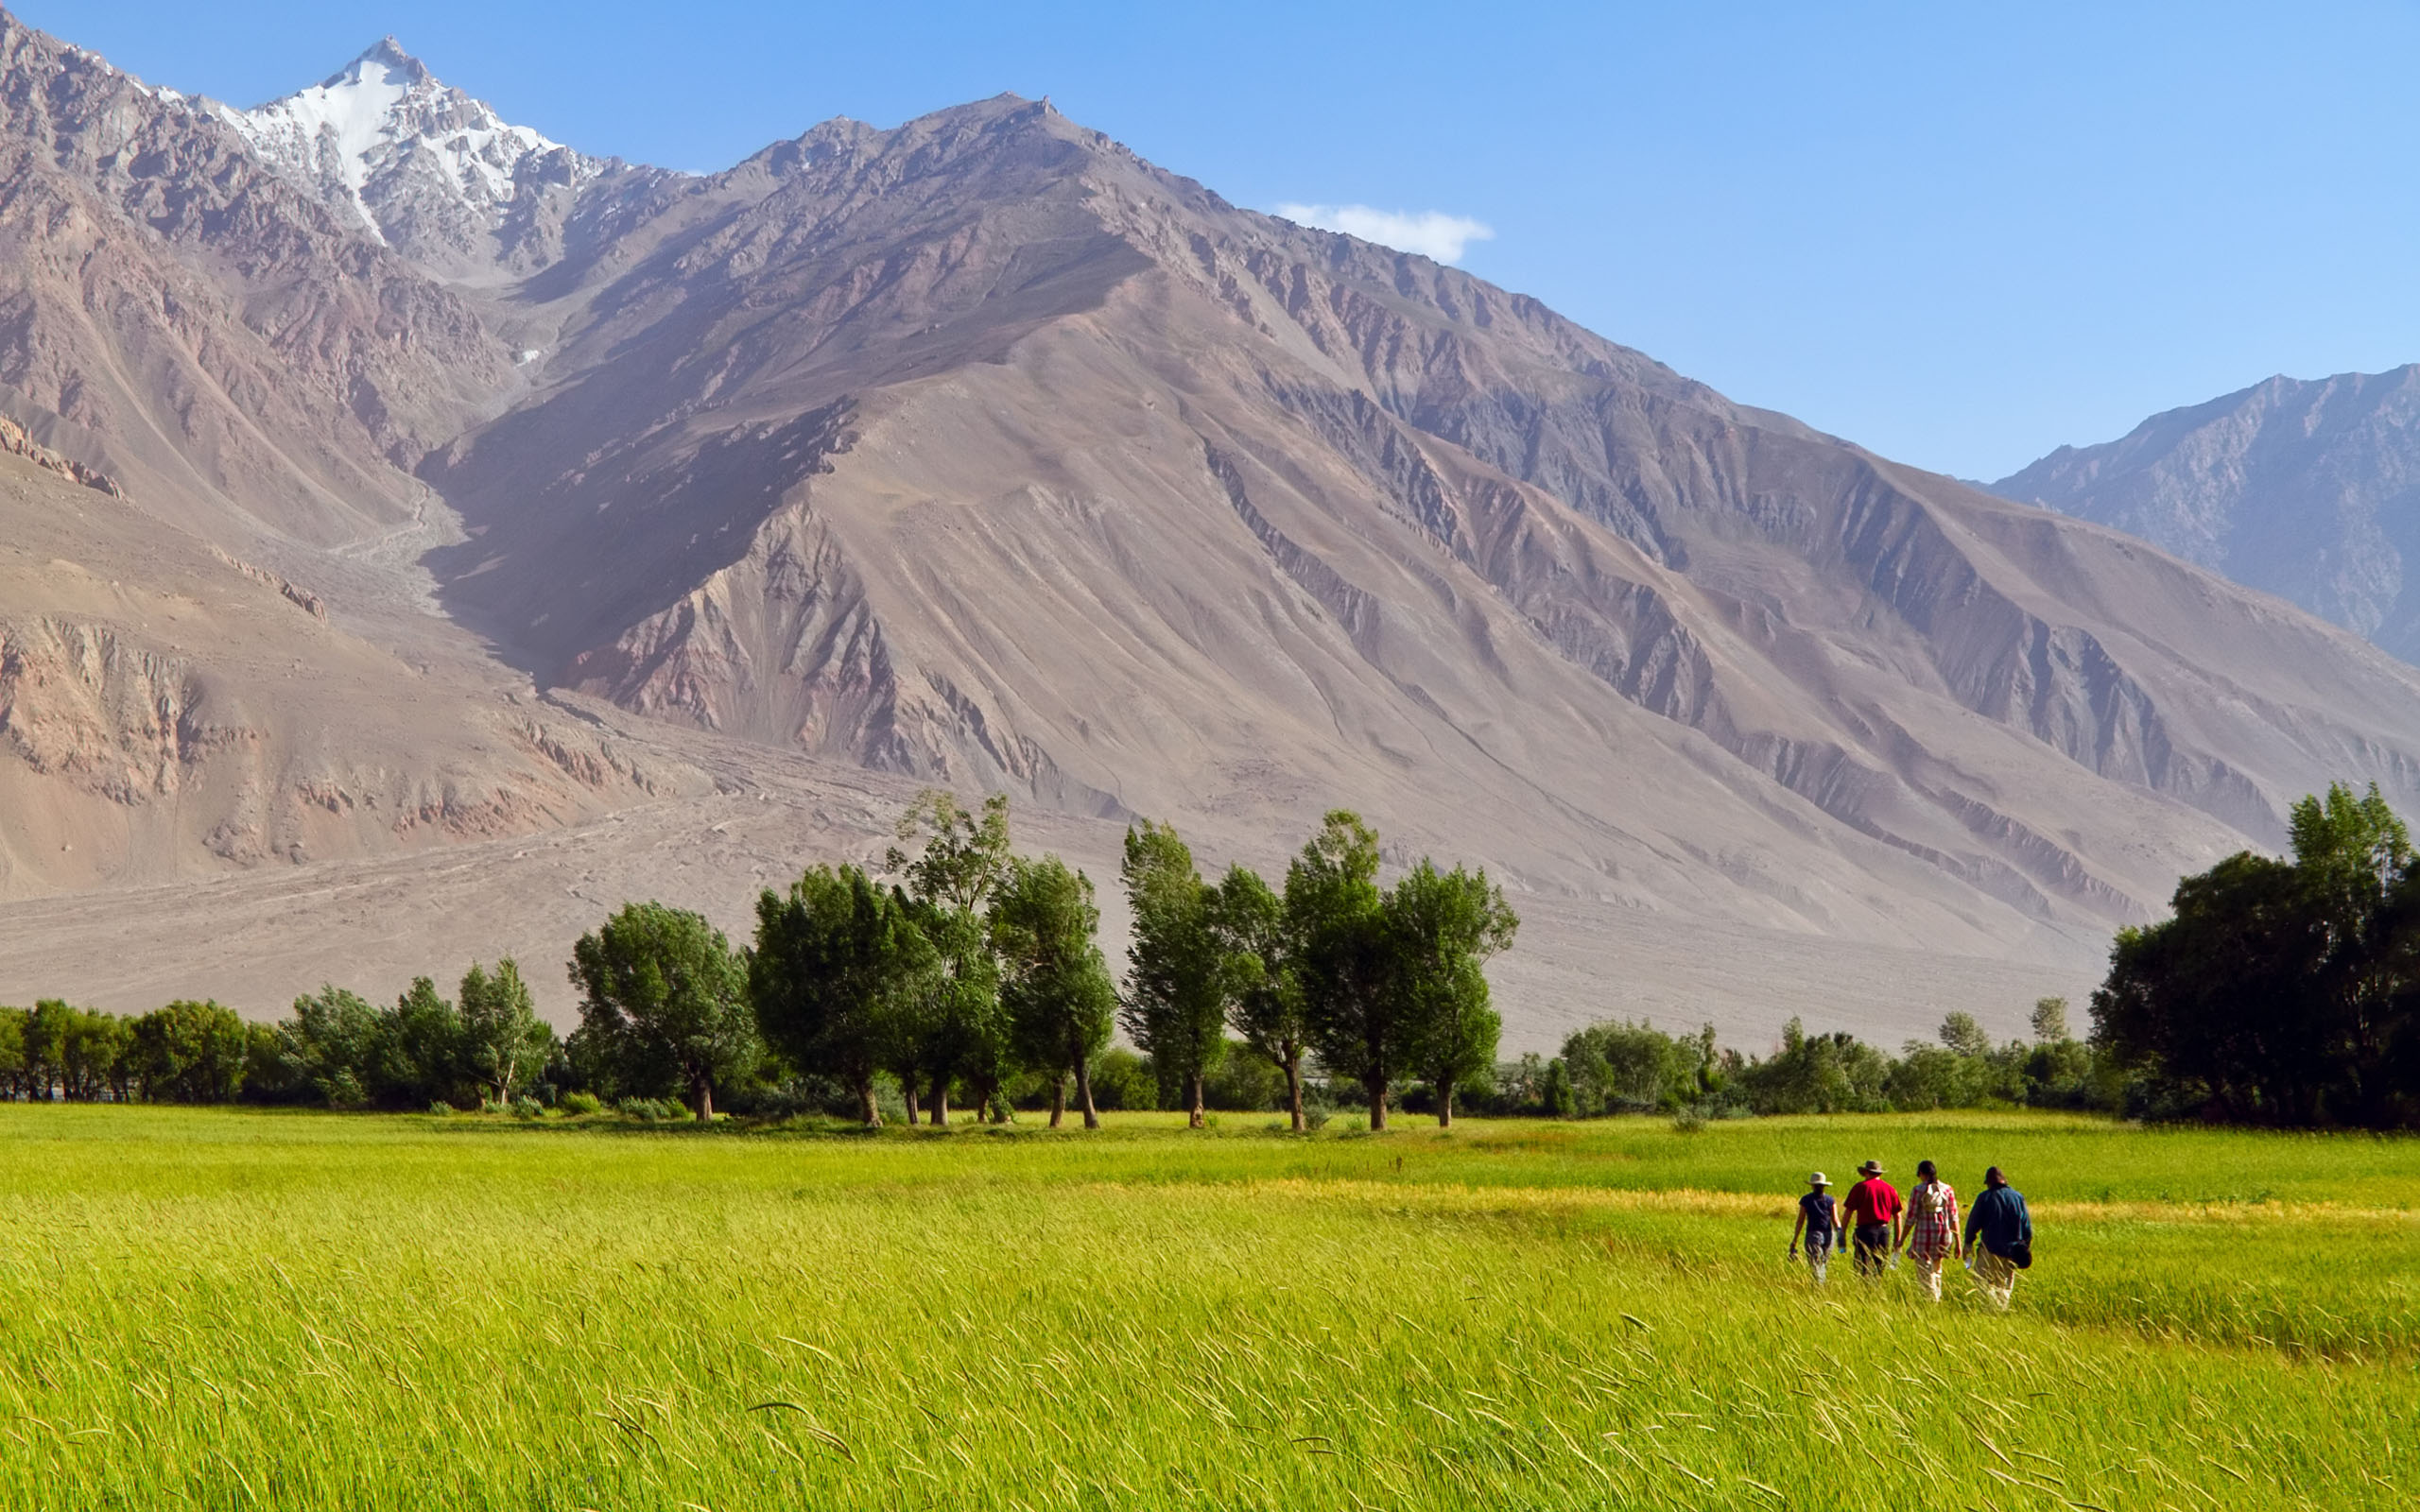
[976, 964]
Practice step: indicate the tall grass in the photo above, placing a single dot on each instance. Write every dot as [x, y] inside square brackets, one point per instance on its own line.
[239, 1310]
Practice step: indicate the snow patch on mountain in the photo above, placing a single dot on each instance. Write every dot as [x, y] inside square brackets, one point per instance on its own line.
[411, 160]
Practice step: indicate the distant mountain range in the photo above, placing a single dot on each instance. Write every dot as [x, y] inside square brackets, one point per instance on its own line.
[981, 450]
[2307, 490]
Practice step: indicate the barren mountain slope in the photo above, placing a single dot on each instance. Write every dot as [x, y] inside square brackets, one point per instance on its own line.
[982, 450]
[2309, 491]
[167, 709]
[253, 940]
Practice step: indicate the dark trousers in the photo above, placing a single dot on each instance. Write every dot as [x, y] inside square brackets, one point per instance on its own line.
[1873, 1248]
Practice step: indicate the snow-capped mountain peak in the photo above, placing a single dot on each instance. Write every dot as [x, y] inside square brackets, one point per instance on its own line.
[412, 161]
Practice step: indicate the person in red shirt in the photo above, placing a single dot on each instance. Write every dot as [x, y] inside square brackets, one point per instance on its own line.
[1874, 1211]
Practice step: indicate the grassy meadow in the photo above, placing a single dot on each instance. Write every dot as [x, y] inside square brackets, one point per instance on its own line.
[241, 1309]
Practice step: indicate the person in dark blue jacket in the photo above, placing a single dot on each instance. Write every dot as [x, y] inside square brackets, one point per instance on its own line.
[1999, 1237]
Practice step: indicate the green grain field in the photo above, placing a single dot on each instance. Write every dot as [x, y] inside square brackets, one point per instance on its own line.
[232, 1308]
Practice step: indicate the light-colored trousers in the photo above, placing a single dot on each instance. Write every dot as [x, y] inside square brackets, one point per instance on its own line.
[1928, 1271]
[1997, 1275]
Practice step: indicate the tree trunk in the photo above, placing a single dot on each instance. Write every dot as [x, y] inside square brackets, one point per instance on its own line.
[1375, 1086]
[1058, 1098]
[915, 1108]
[867, 1105]
[704, 1090]
[941, 1102]
[1084, 1093]
[1294, 1086]
[1445, 1103]
[1193, 1101]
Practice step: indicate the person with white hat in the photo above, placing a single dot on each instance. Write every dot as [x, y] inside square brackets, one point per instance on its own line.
[1819, 1219]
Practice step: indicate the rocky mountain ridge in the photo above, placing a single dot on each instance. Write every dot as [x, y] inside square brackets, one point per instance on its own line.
[2307, 489]
[422, 166]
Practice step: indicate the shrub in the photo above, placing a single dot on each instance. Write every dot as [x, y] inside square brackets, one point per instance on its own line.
[1123, 1080]
[1244, 1081]
[580, 1104]
[527, 1109]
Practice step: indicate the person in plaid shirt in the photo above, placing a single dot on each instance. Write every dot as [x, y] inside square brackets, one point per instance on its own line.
[1932, 1227]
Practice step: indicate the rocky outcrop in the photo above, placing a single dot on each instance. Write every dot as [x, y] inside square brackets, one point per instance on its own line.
[15, 442]
[127, 722]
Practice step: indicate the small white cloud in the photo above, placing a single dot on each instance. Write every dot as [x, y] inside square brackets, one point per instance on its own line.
[1430, 233]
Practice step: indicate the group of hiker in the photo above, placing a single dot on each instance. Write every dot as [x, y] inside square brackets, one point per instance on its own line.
[1996, 1241]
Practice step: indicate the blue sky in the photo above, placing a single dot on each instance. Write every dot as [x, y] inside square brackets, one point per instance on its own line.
[1959, 235]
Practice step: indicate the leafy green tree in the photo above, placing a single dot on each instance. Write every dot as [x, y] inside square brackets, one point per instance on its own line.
[1336, 922]
[14, 1078]
[1441, 927]
[1927, 1076]
[1962, 1036]
[418, 1054]
[2049, 1020]
[504, 1043]
[1179, 980]
[1631, 1067]
[332, 1039]
[1054, 982]
[1817, 1074]
[2280, 991]
[191, 1051]
[958, 1030]
[1554, 1094]
[270, 1075]
[1244, 1082]
[839, 965]
[1268, 1008]
[2059, 1071]
[666, 999]
[77, 1050]
[1124, 1081]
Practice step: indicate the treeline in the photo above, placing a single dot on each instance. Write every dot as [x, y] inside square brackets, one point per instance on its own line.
[2283, 992]
[335, 1050]
[977, 973]
[963, 974]
[1635, 1068]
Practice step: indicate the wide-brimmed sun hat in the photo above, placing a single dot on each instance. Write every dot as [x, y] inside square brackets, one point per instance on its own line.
[1870, 1168]
[1819, 1179]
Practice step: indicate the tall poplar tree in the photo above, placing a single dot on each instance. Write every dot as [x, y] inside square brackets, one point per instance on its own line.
[959, 1028]
[503, 1041]
[1179, 982]
[1335, 923]
[1267, 1008]
[1441, 927]
[838, 968]
[1054, 982]
[661, 992]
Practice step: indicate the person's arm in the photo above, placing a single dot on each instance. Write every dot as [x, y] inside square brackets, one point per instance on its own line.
[1795, 1229]
[1975, 1218]
[2024, 1223]
[1899, 1227]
